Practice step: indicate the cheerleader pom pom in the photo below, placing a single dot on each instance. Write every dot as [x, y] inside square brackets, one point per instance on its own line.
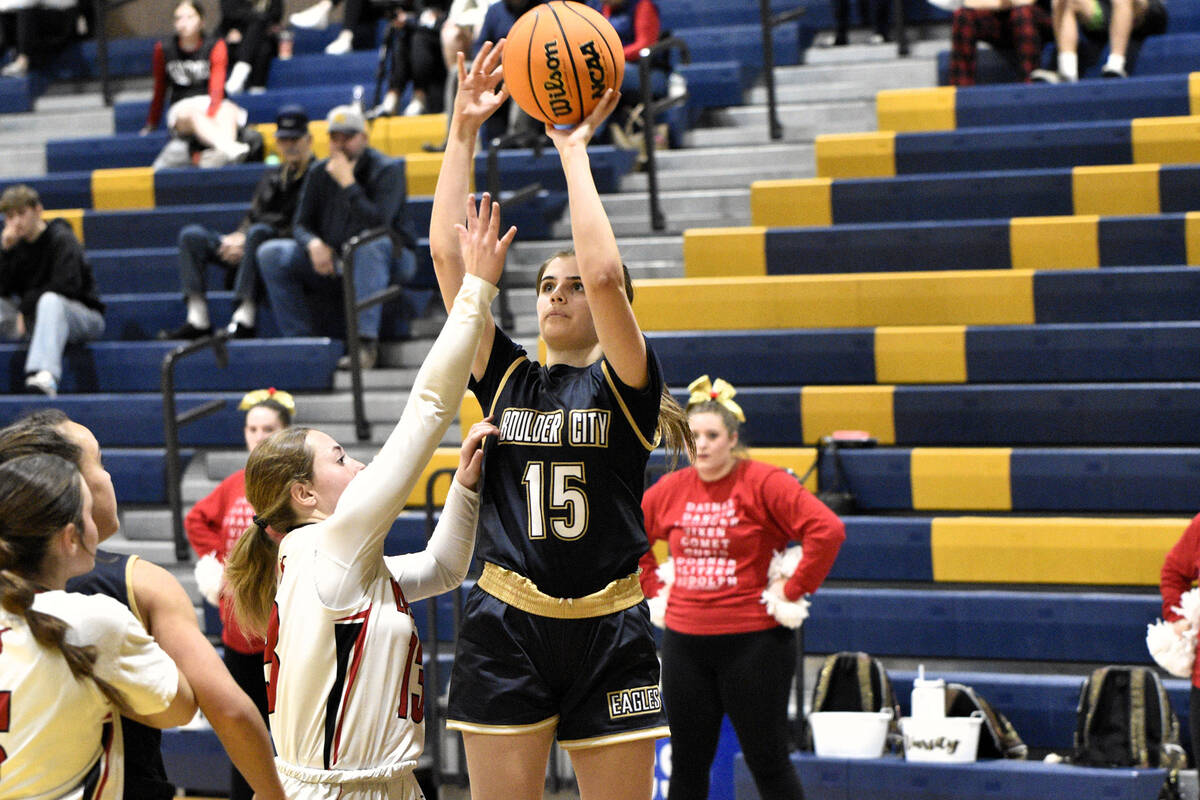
[1173, 651]
[788, 613]
[658, 608]
[209, 575]
[666, 572]
[784, 563]
[1189, 608]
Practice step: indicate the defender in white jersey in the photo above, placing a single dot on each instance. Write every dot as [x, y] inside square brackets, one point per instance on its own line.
[345, 677]
[68, 662]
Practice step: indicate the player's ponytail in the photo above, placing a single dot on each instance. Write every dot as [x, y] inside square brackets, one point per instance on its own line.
[278, 462]
[40, 495]
[674, 429]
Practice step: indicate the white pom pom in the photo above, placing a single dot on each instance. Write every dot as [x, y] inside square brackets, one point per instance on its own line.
[784, 563]
[1173, 651]
[209, 576]
[788, 613]
[666, 572]
[1189, 608]
[658, 608]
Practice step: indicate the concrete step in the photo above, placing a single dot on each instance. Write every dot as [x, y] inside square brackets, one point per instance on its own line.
[869, 75]
[857, 53]
[141, 524]
[802, 121]
[635, 250]
[629, 212]
[751, 155]
[719, 173]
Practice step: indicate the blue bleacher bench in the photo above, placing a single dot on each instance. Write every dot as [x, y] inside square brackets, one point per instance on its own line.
[982, 624]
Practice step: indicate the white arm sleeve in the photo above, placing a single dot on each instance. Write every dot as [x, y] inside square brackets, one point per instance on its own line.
[126, 656]
[443, 564]
[351, 540]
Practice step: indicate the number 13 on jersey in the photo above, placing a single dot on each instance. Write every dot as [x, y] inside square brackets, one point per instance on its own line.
[557, 487]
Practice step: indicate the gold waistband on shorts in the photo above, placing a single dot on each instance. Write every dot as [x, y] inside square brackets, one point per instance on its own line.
[520, 592]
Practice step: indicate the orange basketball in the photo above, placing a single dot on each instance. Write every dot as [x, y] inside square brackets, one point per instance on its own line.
[559, 59]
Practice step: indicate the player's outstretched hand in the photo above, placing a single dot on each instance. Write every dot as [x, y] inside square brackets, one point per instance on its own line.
[582, 133]
[483, 249]
[477, 98]
[470, 461]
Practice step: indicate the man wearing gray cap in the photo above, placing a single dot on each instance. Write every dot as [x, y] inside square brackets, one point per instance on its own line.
[356, 189]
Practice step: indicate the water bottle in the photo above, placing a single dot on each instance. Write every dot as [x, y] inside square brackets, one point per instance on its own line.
[928, 696]
[286, 42]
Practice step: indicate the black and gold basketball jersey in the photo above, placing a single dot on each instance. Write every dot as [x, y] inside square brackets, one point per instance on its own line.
[562, 484]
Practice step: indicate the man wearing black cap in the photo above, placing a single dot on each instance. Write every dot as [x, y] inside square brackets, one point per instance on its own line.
[356, 189]
[270, 217]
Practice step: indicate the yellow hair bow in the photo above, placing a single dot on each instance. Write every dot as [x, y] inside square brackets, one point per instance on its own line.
[720, 391]
[260, 395]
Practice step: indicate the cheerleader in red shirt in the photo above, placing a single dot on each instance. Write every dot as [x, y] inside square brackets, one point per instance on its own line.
[723, 652]
[213, 527]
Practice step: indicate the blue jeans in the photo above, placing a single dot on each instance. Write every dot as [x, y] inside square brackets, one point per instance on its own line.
[198, 247]
[58, 321]
[288, 274]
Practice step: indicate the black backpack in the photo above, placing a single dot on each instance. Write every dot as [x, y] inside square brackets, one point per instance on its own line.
[997, 736]
[855, 681]
[1124, 719]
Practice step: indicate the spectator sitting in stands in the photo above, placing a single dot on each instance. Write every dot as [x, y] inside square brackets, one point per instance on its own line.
[414, 48]
[42, 265]
[1118, 21]
[1010, 25]
[189, 73]
[875, 13]
[358, 23]
[248, 28]
[463, 21]
[638, 25]
[356, 189]
[32, 27]
[271, 211]
[509, 118]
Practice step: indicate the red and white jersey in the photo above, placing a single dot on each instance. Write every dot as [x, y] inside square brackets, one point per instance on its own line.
[357, 700]
[59, 735]
[344, 673]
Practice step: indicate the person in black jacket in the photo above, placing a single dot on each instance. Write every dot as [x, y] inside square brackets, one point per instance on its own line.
[270, 217]
[46, 287]
[356, 189]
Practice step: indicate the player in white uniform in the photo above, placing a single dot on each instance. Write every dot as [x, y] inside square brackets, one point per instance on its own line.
[68, 661]
[345, 677]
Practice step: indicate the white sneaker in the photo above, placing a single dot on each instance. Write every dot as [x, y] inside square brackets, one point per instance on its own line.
[415, 108]
[315, 16]
[43, 382]
[1045, 76]
[343, 44]
[17, 68]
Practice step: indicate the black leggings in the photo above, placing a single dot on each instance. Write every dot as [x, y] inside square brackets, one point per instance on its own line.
[247, 672]
[745, 675]
[417, 56]
[1194, 723]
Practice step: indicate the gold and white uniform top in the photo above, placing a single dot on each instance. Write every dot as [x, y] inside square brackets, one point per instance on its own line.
[345, 678]
[59, 736]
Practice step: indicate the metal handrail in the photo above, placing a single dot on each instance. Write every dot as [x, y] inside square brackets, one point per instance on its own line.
[537, 141]
[433, 681]
[769, 23]
[353, 307]
[651, 108]
[900, 30]
[173, 421]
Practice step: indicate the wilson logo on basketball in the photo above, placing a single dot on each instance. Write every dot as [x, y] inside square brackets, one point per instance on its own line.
[556, 92]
